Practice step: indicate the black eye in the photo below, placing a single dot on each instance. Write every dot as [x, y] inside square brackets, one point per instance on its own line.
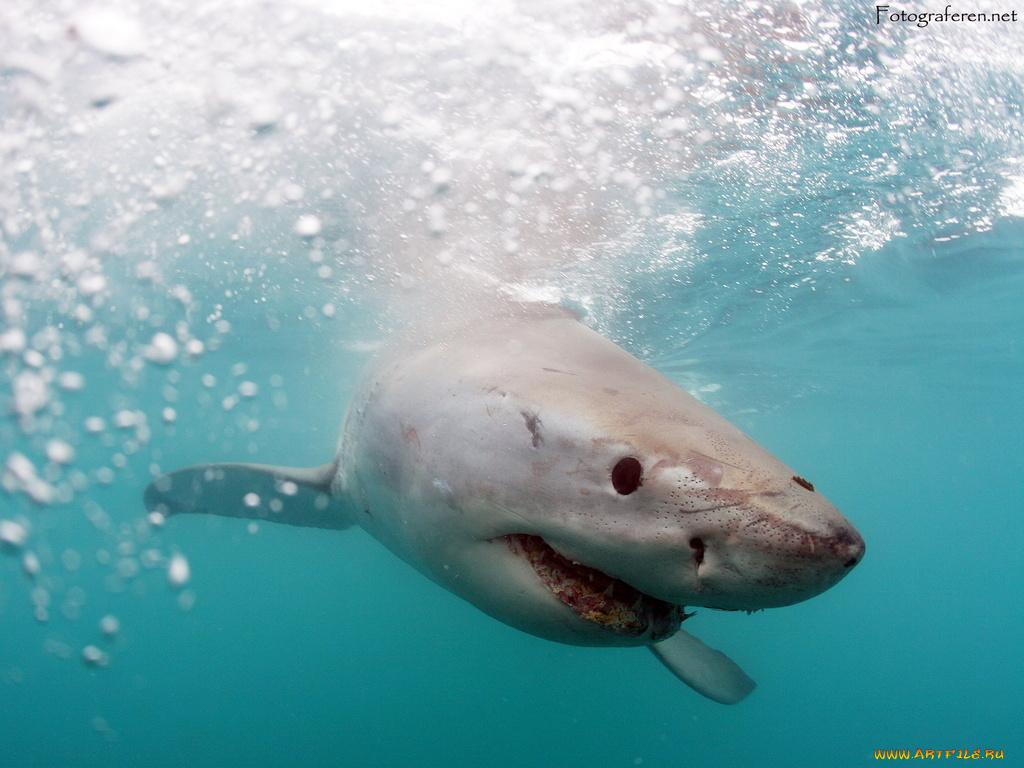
[627, 475]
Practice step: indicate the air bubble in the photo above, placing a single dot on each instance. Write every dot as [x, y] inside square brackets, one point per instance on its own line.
[440, 177]
[127, 568]
[71, 559]
[71, 381]
[109, 31]
[110, 626]
[308, 225]
[162, 349]
[30, 565]
[263, 116]
[178, 571]
[126, 419]
[13, 340]
[41, 597]
[91, 283]
[437, 219]
[151, 558]
[20, 476]
[182, 294]
[34, 358]
[29, 393]
[12, 534]
[95, 657]
[59, 452]
[187, 600]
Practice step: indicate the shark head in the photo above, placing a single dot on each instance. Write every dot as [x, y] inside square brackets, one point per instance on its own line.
[690, 511]
[625, 528]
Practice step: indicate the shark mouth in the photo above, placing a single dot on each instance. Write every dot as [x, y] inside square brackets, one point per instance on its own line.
[596, 596]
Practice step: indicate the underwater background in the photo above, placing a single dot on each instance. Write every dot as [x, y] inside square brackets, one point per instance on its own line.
[212, 214]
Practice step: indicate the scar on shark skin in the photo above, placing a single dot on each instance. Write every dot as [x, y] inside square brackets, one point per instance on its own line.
[533, 423]
[803, 483]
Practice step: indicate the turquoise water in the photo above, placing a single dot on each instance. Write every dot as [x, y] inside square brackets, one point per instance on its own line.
[812, 222]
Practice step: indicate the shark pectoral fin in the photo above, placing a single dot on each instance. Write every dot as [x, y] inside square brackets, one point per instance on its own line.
[290, 495]
[709, 672]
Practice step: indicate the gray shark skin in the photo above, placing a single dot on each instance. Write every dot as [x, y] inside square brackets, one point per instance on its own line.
[551, 479]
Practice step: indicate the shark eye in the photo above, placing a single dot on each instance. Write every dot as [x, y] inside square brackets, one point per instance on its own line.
[627, 475]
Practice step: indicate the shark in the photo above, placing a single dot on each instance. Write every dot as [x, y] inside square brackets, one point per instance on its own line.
[550, 478]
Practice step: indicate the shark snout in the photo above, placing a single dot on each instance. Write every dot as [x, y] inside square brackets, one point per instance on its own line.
[766, 558]
[819, 531]
[739, 559]
[847, 545]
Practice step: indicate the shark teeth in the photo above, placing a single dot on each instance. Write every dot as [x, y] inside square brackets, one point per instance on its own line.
[595, 595]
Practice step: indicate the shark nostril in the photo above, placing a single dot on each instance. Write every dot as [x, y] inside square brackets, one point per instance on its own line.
[697, 545]
[855, 550]
[856, 556]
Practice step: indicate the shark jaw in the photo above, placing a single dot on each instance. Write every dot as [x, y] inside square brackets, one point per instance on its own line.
[595, 595]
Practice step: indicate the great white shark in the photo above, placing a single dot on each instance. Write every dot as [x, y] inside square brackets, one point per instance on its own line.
[545, 475]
